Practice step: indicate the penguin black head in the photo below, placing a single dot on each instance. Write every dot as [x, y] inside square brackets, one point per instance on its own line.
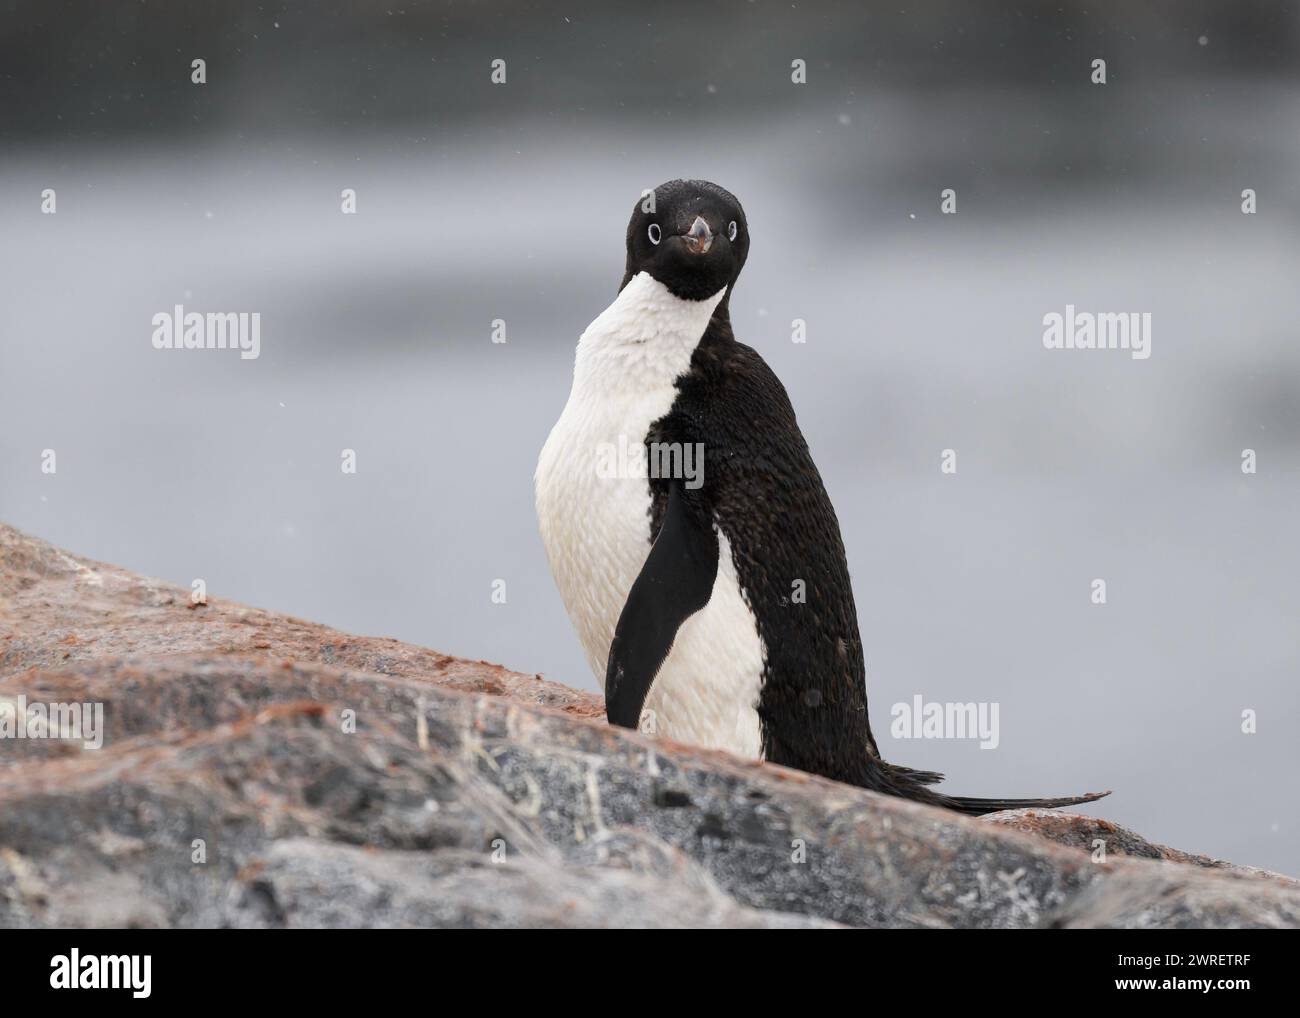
[692, 237]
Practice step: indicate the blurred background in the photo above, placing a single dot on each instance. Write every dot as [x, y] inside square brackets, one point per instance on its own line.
[478, 202]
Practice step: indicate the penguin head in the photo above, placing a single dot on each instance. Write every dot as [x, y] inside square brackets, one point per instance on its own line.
[691, 236]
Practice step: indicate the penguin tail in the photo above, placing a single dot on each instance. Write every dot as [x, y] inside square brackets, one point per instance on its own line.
[909, 783]
[979, 807]
[910, 775]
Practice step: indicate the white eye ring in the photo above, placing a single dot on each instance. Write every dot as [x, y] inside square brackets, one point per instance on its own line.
[656, 234]
[731, 231]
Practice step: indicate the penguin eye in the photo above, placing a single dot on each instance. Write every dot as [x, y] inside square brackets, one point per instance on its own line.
[656, 234]
[731, 231]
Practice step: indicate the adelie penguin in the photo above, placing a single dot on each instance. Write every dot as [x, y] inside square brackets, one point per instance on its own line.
[679, 582]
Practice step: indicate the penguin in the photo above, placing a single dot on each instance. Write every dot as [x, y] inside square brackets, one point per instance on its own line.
[680, 509]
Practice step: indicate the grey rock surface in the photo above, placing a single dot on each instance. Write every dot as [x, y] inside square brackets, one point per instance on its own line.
[257, 770]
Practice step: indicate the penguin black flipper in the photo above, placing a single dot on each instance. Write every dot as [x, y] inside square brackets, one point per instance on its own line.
[675, 582]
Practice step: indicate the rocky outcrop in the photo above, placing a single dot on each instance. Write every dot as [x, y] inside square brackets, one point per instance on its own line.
[257, 770]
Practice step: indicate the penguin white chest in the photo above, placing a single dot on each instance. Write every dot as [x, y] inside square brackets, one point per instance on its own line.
[593, 508]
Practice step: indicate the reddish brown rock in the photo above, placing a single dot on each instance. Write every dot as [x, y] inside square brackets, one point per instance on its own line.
[1103, 838]
[257, 770]
[56, 608]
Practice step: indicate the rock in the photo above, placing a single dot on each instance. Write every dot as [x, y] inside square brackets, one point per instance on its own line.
[58, 609]
[1087, 832]
[258, 770]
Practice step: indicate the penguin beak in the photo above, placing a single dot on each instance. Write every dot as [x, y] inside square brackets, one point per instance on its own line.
[699, 238]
